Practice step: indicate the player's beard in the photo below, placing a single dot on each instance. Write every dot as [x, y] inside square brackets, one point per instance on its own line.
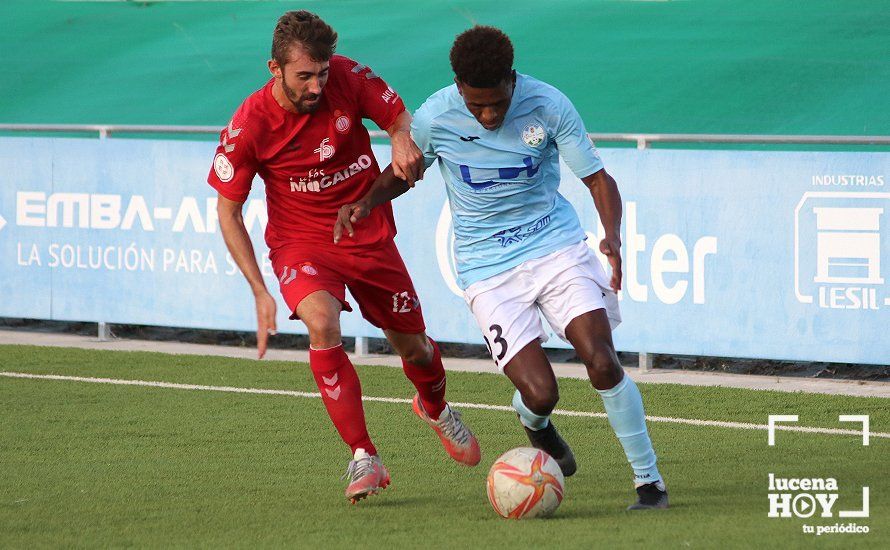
[300, 101]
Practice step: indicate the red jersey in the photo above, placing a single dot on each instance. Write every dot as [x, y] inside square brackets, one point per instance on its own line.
[312, 164]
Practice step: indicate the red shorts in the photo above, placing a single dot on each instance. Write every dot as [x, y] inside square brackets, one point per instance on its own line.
[376, 278]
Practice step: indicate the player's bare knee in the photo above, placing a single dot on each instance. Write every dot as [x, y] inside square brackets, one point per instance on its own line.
[412, 348]
[418, 354]
[324, 331]
[603, 369]
[541, 401]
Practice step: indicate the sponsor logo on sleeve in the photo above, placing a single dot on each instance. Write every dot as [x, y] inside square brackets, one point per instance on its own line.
[223, 168]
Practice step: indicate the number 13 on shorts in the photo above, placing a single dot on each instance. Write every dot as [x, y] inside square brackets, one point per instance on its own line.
[496, 343]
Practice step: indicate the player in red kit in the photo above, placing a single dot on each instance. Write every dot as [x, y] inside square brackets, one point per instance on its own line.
[302, 133]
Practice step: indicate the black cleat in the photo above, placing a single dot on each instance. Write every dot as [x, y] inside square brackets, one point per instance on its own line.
[651, 496]
[549, 441]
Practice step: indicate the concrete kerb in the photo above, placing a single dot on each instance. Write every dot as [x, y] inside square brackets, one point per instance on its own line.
[563, 370]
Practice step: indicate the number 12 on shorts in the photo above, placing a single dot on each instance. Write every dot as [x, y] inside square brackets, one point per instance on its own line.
[404, 299]
[498, 340]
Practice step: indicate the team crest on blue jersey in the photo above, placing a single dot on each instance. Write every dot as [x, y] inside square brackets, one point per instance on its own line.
[533, 135]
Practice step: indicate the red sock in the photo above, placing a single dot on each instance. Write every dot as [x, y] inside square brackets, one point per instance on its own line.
[429, 381]
[341, 392]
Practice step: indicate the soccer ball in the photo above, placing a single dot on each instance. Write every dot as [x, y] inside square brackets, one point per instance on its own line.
[525, 483]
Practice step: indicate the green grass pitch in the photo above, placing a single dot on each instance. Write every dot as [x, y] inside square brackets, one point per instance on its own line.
[100, 465]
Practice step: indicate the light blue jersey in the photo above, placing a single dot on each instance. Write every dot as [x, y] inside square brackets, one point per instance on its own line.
[502, 184]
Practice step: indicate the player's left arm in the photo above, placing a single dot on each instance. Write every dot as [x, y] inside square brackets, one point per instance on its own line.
[607, 200]
[385, 188]
[581, 156]
[380, 103]
[388, 184]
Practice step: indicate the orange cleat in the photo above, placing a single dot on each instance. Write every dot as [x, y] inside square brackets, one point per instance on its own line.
[456, 437]
[367, 476]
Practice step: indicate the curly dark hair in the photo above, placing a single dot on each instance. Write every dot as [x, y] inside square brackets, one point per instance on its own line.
[307, 29]
[482, 57]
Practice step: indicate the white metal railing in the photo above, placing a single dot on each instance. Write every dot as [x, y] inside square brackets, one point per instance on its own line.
[642, 140]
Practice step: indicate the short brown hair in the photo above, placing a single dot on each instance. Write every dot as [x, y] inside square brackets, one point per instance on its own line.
[307, 29]
[482, 57]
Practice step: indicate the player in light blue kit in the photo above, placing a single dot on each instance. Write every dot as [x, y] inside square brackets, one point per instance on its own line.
[519, 247]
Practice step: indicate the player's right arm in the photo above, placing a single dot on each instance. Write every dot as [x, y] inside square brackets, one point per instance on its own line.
[234, 168]
[234, 232]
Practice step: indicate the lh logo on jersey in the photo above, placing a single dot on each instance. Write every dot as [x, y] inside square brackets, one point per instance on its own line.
[324, 150]
[503, 174]
[533, 135]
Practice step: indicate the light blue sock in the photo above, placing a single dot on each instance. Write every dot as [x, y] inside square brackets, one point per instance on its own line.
[624, 405]
[529, 419]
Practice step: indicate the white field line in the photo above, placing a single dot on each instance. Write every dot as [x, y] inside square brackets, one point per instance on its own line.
[559, 412]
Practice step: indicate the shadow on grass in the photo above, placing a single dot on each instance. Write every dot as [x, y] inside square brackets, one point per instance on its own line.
[391, 500]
